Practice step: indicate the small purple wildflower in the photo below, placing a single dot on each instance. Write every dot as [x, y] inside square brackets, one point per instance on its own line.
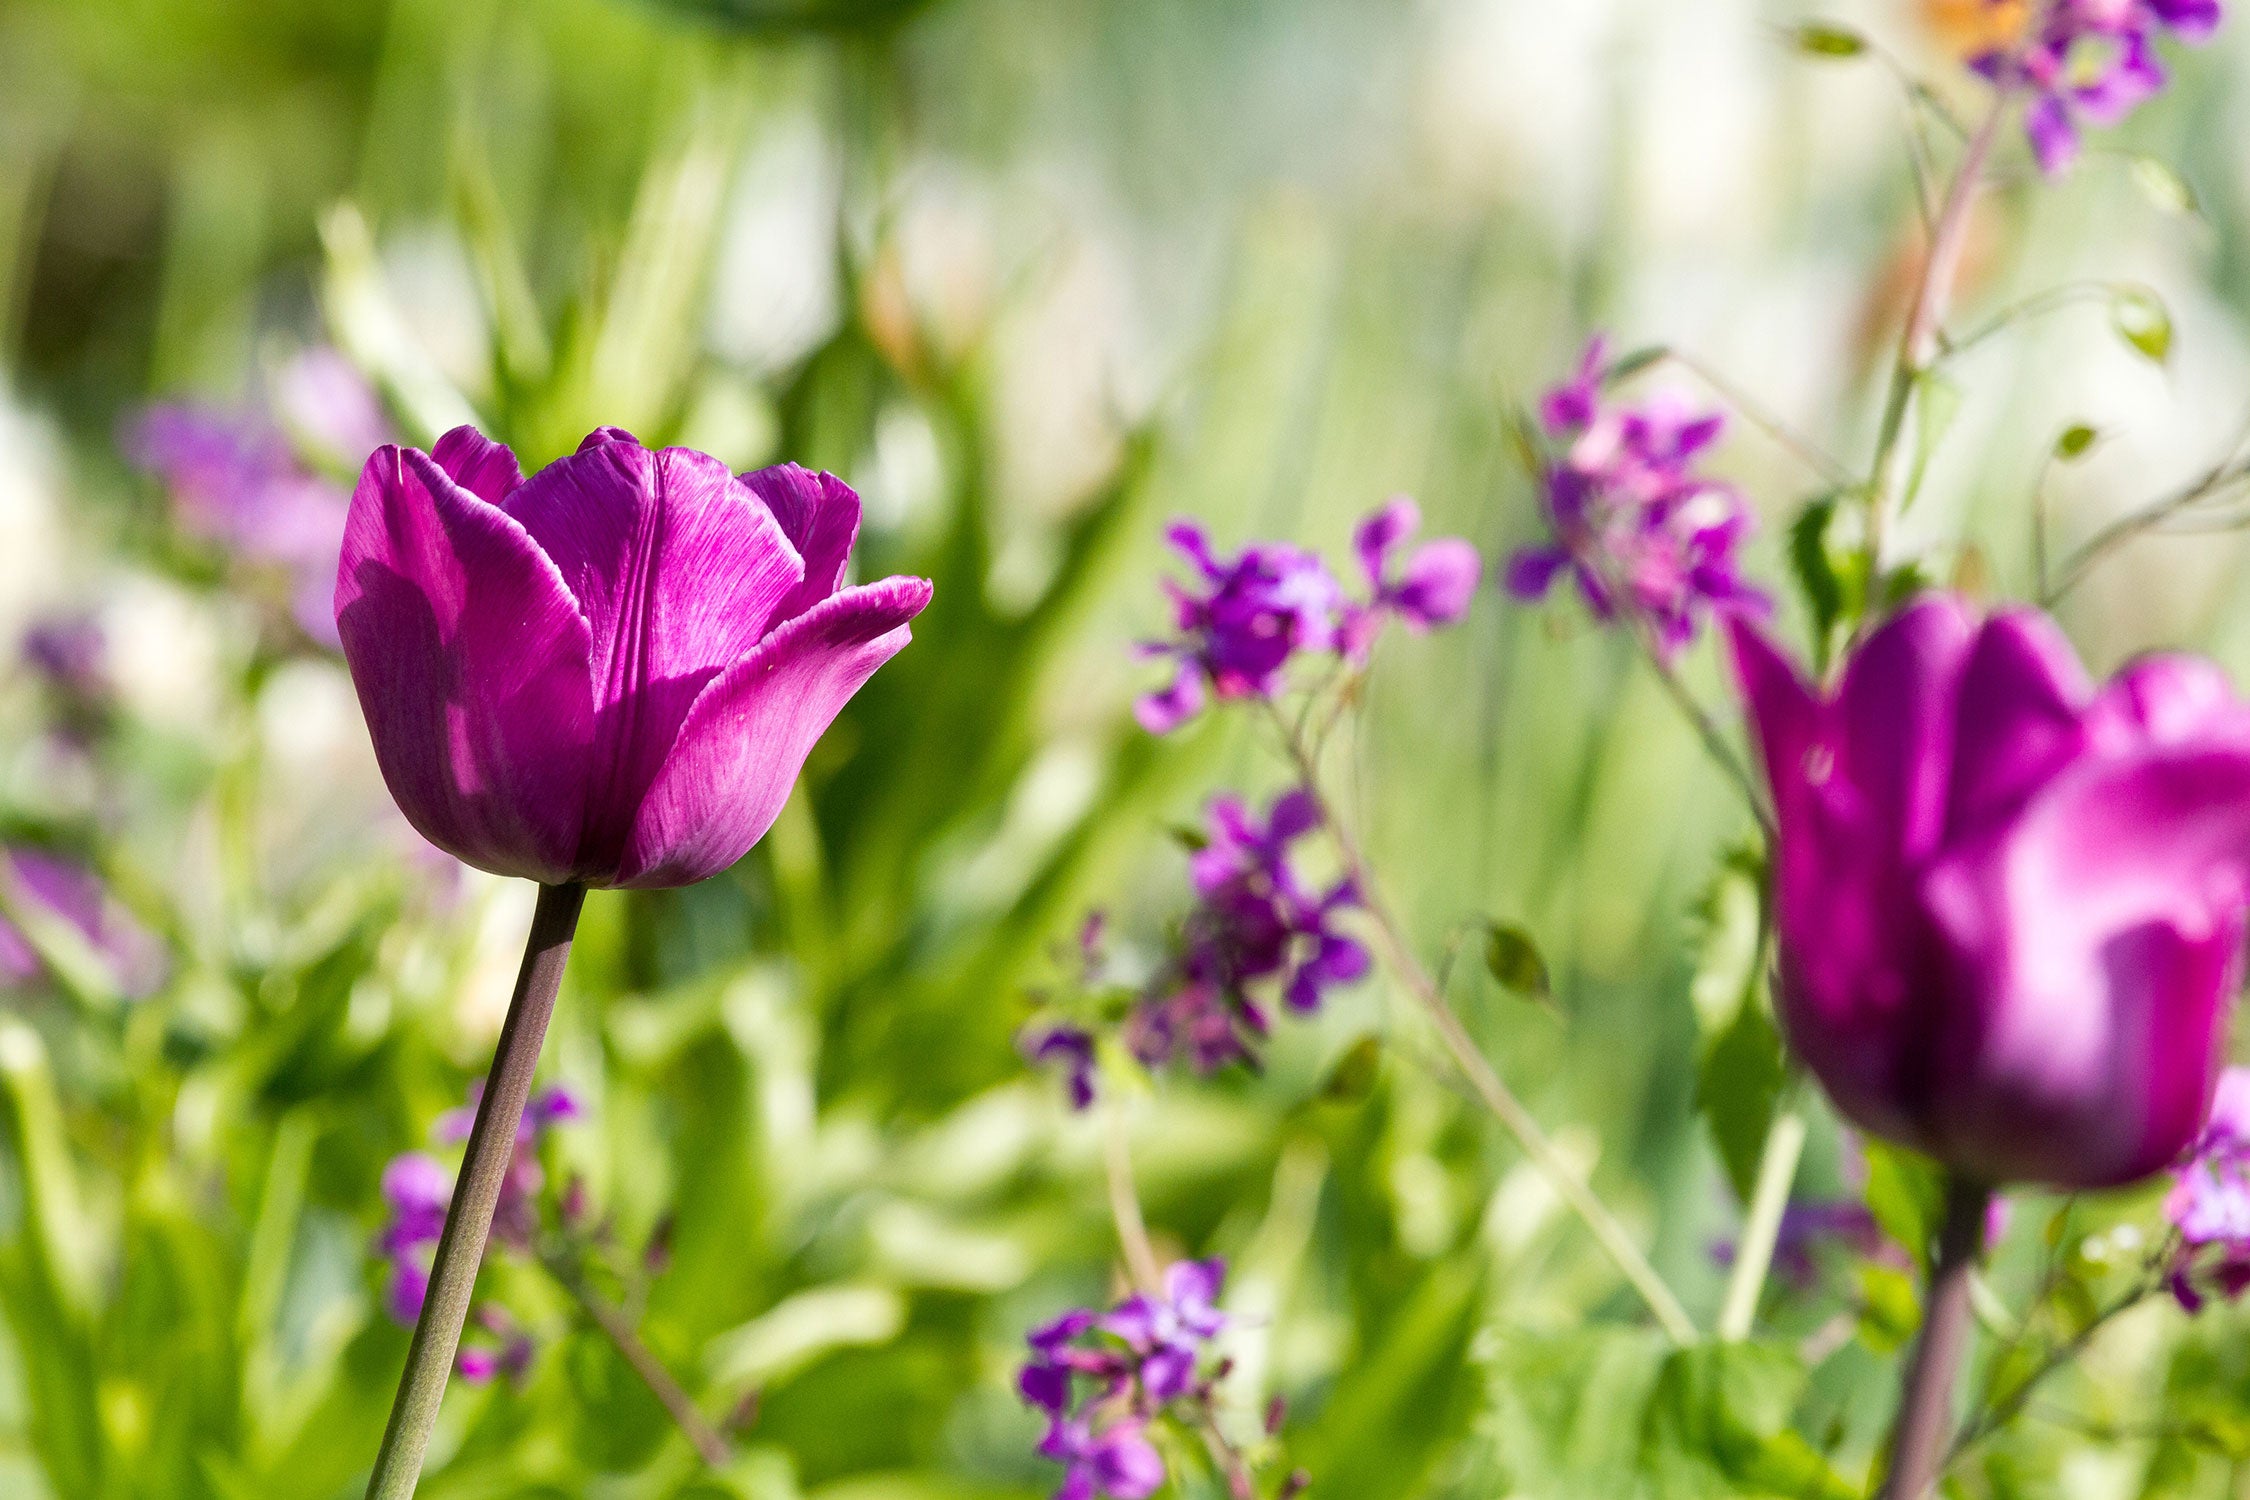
[1639, 530]
[1239, 630]
[1256, 922]
[1432, 588]
[1073, 1048]
[2091, 62]
[1102, 1378]
[2210, 1200]
[1245, 618]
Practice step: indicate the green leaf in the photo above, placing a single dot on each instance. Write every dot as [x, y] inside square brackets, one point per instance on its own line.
[1826, 39]
[2165, 187]
[1831, 575]
[2076, 442]
[1515, 960]
[1353, 1077]
[1194, 840]
[1718, 1424]
[2143, 321]
[1906, 1195]
[1631, 363]
[1937, 403]
[1889, 1308]
[1740, 1069]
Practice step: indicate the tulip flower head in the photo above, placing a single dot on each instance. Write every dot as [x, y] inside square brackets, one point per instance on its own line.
[2009, 903]
[2090, 62]
[612, 672]
[1645, 535]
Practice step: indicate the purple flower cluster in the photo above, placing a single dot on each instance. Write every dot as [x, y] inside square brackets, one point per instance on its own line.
[1640, 530]
[241, 481]
[1259, 931]
[2210, 1200]
[418, 1189]
[2092, 62]
[1101, 1379]
[1256, 923]
[1241, 622]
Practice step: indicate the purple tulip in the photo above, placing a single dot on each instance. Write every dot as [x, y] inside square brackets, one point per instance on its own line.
[2009, 903]
[73, 895]
[612, 672]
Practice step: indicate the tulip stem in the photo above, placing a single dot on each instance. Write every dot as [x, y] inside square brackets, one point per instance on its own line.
[1544, 1155]
[492, 1145]
[1925, 1411]
[1753, 1256]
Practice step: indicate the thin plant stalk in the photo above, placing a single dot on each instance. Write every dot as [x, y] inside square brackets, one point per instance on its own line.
[1542, 1152]
[1918, 345]
[1147, 1276]
[1925, 1411]
[468, 1223]
[1753, 1257]
[709, 1443]
[1141, 1265]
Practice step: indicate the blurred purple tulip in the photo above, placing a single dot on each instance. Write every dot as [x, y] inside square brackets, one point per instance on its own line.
[612, 672]
[73, 895]
[2010, 904]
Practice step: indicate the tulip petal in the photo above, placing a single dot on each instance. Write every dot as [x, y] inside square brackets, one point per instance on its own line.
[2106, 924]
[819, 513]
[471, 660]
[679, 570]
[2017, 718]
[1785, 715]
[746, 738]
[479, 465]
[1895, 717]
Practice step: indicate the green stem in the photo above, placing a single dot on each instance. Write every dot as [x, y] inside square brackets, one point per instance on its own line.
[1141, 1265]
[1918, 344]
[710, 1445]
[1777, 1172]
[1925, 1410]
[1542, 1152]
[492, 1147]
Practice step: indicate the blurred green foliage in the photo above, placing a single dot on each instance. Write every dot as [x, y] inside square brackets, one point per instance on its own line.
[805, 1103]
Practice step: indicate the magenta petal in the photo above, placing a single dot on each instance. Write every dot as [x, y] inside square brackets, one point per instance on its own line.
[2017, 721]
[1784, 713]
[471, 661]
[478, 464]
[1894, 713]
[745, 739]
[819, 513]
[2106, 925]
[679, 570]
